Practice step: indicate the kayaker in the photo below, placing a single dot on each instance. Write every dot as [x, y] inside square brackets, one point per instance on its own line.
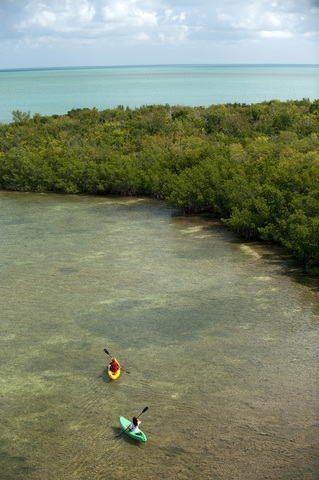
[134, 425]
[114, 366]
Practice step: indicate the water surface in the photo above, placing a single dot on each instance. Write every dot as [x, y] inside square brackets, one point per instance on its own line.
[220, 337]
[56, 91]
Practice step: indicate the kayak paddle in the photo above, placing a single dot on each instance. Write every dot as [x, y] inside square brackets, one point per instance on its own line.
[117, 436]
[107, 353]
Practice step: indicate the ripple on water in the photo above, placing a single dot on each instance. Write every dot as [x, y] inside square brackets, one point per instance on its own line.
[221, 346]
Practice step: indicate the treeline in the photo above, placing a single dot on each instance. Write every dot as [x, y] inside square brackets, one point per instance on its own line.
[254, 166]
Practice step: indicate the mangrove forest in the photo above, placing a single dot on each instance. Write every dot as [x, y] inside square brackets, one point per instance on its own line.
[255, 167]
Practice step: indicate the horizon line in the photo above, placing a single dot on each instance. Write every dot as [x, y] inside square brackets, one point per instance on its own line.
[63, 67]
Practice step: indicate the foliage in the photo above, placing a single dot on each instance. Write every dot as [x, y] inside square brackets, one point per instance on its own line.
[254, 166]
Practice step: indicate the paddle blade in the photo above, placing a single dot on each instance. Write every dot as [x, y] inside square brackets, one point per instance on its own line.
[107, 353]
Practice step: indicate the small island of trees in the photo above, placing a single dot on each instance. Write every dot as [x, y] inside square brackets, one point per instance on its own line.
[255, 167]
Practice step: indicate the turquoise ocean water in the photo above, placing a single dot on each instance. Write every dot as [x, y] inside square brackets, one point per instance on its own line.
[56, 91]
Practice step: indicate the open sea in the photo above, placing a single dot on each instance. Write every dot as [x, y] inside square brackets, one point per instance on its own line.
[58, 90]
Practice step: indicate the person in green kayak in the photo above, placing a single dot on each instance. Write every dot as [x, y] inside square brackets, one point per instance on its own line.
[134, 425]
[114, 366]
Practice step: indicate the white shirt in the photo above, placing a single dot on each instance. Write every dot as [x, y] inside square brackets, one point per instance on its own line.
[135, 429]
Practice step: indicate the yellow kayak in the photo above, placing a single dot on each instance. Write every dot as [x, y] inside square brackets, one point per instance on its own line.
[115, 375]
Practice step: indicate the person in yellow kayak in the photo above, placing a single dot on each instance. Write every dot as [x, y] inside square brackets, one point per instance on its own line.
[114, 366]
[134, 427]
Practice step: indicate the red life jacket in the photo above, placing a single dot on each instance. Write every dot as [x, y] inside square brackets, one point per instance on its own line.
[114, 367]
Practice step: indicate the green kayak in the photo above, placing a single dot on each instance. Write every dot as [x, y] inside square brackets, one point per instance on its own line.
[138, 436]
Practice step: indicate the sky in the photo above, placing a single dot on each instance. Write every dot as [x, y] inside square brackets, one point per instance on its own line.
[60, 33]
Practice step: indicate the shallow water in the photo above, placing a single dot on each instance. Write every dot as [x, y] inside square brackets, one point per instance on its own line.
[220, 336]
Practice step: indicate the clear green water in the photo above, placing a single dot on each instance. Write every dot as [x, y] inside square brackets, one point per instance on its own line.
[56, 91]
[220, 337]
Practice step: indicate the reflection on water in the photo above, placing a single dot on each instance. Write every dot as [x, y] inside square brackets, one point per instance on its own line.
[220, 337]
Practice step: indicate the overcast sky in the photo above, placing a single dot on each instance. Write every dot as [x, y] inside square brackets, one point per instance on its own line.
[52, 33]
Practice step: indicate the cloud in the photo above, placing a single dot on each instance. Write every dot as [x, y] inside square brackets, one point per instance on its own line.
[275, 34]
[96, 17]
[127, 12]
[291, 17]
[170, 25]
[141, 19]
[55, 16]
